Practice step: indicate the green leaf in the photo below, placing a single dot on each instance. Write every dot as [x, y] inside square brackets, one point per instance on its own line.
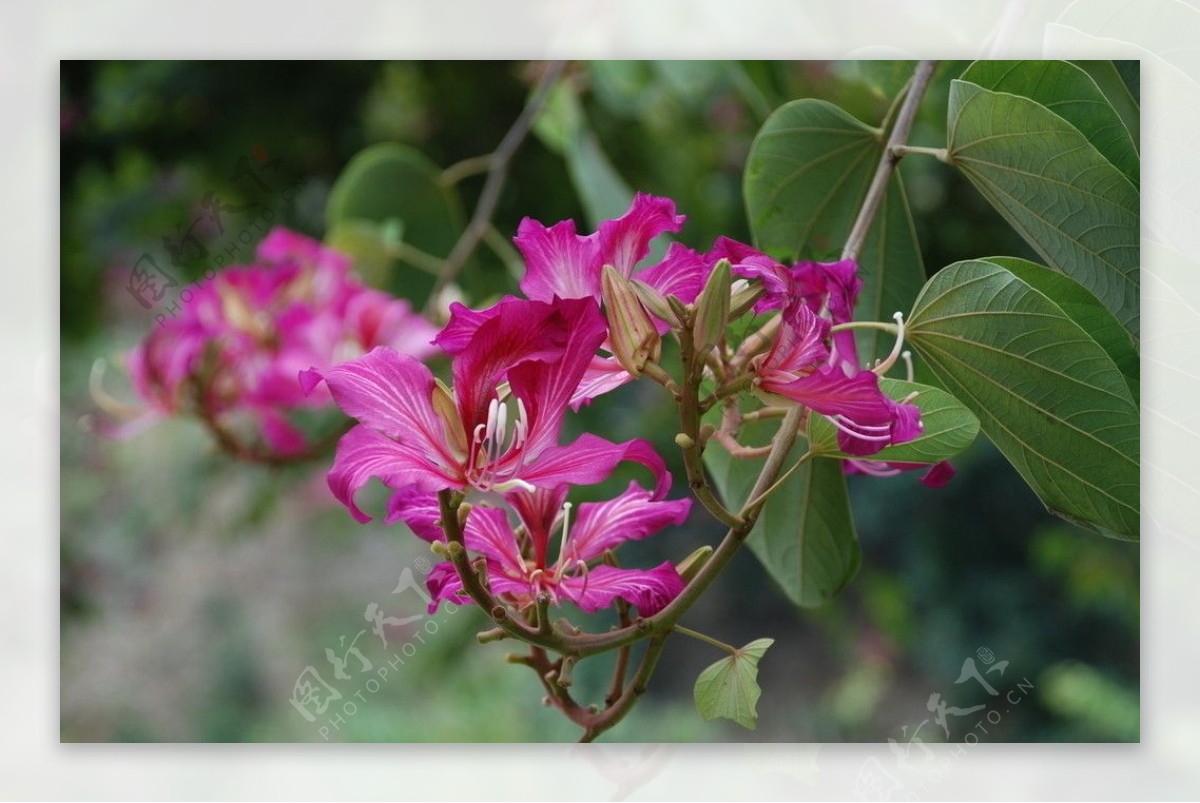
[806, 177]
[562, 127]
[1069, 92]
[1069, 202]
[391, 182]
[1085, 310]
[948, 427]
[1108, 75]
[1046, 393]
[729, 688]
[370, 246]
[805, 535]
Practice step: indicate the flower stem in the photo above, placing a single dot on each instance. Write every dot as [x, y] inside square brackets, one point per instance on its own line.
[720, 645]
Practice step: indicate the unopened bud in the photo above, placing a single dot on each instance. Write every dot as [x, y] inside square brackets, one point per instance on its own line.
[690, 566]
[684, 441]
[744, 295]
[634, 339]
[656, 302]
[712, 308]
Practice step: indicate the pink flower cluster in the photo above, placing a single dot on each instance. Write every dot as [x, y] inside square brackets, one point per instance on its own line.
[520, 365]
[238, 345]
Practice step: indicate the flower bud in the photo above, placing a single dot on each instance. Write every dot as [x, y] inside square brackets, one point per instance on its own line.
[656, 303]
[634, 339]
[712, 308]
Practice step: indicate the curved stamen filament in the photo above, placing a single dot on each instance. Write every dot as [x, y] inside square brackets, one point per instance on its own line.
[887, 363]
[866, 432]
[562, 548]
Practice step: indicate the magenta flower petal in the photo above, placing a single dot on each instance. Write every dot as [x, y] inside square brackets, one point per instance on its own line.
[590, 459]
[629, 517]
[444, 584]
[603, 374]
[464, 323]
[625, 241]
[558, 262]
[489, 533]
[419, 510]
[649, 591]
[392, 394]
[363, 453]
[682, 273]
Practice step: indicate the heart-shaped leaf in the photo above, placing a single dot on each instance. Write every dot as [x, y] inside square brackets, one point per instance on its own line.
[729, 688]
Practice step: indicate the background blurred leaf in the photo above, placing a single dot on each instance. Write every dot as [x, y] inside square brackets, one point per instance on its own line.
[563, 128]
[729, 688]
[393, 182]
[1065, 198]
[1046, 393]
[805, 535]
[948, 427]
[806, 177]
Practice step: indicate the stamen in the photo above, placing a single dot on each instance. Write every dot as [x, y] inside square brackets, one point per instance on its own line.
[908, 363]
[863, 431]
[562, 548]
[885, 366]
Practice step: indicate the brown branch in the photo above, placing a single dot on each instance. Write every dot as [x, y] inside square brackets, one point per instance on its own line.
[497, 173]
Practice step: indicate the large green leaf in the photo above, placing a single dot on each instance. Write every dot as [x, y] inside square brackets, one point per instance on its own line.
[729, 688]
[805, 534]
[1085, 310]
[948, 427]
[395, 185]
[1046, 393]
[806, 177]
[1108, 76]
[1060, 193]
[1069, 92]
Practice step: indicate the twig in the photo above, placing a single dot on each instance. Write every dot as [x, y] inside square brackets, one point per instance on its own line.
[497, 173]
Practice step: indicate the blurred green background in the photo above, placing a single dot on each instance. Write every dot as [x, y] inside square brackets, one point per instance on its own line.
[195, 591]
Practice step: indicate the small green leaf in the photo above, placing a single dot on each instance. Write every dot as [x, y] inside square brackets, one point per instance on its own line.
[805, 535]
[1047, 394]
[806, 177]
[729, 688]
[948, 427]
[1056, 189]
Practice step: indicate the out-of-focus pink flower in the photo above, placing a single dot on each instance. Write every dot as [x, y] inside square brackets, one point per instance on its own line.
[515, 368]
[239, 342]
[521, 575]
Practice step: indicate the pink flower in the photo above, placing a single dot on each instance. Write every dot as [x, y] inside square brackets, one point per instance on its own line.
[810, 365]
[561, 263]
[520, 575]
[238, 344]
[515, 368]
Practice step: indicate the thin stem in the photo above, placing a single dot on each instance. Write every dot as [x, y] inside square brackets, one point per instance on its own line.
[470, 166]
[941, 154]
[496, 175]
[720, 645]
[913, 94]
[888, 161]
[762, 498]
